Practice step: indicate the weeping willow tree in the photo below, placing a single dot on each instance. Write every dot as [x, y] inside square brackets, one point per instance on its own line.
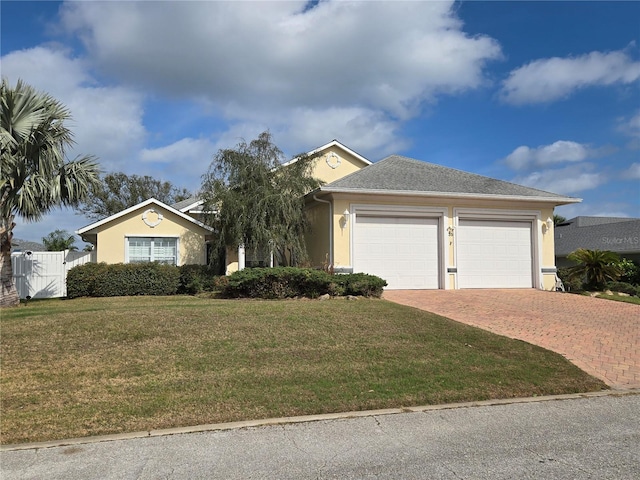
[35, 176]
[256, 201]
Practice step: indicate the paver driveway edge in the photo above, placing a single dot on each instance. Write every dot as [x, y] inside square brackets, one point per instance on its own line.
[602, 337]
[305, 419]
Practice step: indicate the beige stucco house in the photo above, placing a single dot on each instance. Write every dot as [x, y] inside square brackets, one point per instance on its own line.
[417, 225]
[150, 231]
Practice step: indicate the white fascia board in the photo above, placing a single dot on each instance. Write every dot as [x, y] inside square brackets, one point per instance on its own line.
[333, 143]
[484, 196]
[138, 206]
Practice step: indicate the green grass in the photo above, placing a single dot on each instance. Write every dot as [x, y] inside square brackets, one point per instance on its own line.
[620, 298]
[84, 367]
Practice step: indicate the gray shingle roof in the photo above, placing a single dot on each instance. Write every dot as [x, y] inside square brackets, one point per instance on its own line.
[185, 203]
[595, 233]
[401, 174]
[19, 245]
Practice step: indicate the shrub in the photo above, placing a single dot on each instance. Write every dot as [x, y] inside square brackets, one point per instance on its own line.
[361, 284]
[289, 282]
[630, 272]
[102, 280]
[196, 278]
[571, 283]
[595, 267]
[81, 280]
[623, 287]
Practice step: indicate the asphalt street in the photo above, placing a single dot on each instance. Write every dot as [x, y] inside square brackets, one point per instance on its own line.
[581, 438]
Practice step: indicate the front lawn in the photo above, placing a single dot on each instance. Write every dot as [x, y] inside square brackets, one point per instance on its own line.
[81, 367]
[620, 298]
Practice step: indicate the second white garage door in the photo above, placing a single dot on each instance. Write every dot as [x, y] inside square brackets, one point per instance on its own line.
[402, 250]
[494, 254]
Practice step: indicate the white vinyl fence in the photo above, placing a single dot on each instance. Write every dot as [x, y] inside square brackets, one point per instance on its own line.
[44, 274]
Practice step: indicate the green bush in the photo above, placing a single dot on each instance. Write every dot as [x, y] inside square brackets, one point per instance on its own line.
[197, 278]
[81, 280]
[361, 284]
[571, 283]
[102, 280]
[630, 272]
[623, 287]
[289, 282]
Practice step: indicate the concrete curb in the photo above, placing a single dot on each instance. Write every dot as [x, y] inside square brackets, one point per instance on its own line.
[306, 419]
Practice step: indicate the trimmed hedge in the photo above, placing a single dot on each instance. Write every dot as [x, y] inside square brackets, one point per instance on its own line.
[290, 282]
[102, 280]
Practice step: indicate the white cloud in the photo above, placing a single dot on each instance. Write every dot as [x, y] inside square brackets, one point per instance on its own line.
[549, 79]
[633, 172]
[184, 150]
[606, 209]
[565, 181]
[558, 152]
[107, 121]
[274, 56]
[630, 126]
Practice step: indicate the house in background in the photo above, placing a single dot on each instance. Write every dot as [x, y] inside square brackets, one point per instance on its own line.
[19, 245]
[616, 234]
[417, 225]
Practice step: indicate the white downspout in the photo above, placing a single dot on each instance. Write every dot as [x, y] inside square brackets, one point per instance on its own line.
[330, 226]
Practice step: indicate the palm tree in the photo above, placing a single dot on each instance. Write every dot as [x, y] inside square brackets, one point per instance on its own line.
[35, 176]
[595, 267]
[558, 219]
[59, 240]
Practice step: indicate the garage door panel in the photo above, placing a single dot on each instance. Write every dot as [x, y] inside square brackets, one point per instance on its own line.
[494, 254]
[402, 250]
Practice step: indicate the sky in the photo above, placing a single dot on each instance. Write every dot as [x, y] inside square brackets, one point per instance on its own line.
[544, 94]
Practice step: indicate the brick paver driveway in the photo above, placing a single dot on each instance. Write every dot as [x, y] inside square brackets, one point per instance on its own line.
[602, 337]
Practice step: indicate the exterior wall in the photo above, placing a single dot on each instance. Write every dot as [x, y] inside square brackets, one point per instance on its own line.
[317, 241]
[542, 241]
[111, 237]
[548, 260]
[334, 164]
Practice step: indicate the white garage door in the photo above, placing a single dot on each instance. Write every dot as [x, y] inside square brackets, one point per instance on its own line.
[494, 254]
[402, 250]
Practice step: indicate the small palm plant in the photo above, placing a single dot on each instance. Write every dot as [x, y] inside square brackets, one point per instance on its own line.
[595, 267]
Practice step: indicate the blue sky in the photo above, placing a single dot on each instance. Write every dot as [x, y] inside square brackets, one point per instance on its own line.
[546, 94]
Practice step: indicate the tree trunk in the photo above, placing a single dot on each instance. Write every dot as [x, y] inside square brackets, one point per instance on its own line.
[8, 293]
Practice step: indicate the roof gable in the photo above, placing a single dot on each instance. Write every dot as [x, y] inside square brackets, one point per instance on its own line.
[151, 201]
[397, 175]
[332, 143]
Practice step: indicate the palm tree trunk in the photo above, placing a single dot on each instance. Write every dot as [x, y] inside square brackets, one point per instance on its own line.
[8, 293]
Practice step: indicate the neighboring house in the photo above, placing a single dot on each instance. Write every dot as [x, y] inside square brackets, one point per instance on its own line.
[616, 234]
[415, 224]
[19, 245]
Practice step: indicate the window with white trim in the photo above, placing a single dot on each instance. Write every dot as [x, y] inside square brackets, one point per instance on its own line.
[152, 249]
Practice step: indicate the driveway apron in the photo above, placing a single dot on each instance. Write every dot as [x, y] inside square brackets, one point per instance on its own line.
[602, 337]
